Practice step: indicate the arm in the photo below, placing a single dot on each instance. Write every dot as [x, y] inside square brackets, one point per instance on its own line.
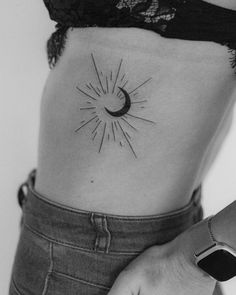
[222, 227]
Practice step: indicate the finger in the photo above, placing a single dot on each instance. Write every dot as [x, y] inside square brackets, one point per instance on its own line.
[119, 290]
[121, 287]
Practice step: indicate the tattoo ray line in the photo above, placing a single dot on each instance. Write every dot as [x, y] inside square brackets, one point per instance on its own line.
[117, 75]
[113, 131]
[116, 125]
[122, 78]
[107, 84]
[94, 89]
[125, 84]
[140, 85]
[96, 69]
[85, 93]
[140, 101]
[130, 145]
[86, 123]
[94, 136]
[97, 126]
[104, 130]
[128, 135]
[140, 118]
[88, 108]
[129, 124]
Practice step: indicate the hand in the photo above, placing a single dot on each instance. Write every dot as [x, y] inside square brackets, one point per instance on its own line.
[163, 270]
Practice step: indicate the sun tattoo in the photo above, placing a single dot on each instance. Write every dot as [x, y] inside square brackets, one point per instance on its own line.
[110, 107]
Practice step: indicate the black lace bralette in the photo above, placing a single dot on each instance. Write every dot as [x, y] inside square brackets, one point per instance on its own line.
[182, 19]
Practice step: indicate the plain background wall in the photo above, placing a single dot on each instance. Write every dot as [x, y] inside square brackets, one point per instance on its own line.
[24, 29]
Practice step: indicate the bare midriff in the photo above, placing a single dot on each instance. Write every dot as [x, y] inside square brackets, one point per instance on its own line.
[131, 121]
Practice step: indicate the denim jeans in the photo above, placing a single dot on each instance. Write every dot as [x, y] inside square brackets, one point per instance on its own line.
[66, 251]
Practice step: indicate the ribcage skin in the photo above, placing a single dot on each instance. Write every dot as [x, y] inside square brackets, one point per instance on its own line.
[130, 120]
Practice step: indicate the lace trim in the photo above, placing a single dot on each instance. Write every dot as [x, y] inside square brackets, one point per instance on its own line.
[105, 13]
[232, 51]
[151, 11]
[147, 14]
[56, 45]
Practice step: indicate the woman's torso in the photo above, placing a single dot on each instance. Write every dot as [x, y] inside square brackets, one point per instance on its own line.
[146, 158]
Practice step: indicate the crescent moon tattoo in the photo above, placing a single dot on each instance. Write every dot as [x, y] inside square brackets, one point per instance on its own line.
[109, 88]
[124, 110]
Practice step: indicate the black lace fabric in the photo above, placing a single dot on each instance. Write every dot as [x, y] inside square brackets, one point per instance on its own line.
[183, 19]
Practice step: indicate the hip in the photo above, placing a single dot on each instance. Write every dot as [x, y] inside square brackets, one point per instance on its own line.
[63, 250]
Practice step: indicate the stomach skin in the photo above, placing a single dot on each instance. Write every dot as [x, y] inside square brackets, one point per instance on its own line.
[131, 121]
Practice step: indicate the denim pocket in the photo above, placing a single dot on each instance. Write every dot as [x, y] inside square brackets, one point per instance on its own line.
[61, 284]
[84, 272]
[13, 289]
[31, 264]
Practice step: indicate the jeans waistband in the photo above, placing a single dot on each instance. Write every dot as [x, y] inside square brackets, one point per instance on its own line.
[106, 233]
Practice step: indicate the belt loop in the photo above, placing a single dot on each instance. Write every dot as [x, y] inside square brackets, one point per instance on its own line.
[103, 235]
[22, 193]
[108, 234]
[197, 195]
[24, 188]
[31, 178]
